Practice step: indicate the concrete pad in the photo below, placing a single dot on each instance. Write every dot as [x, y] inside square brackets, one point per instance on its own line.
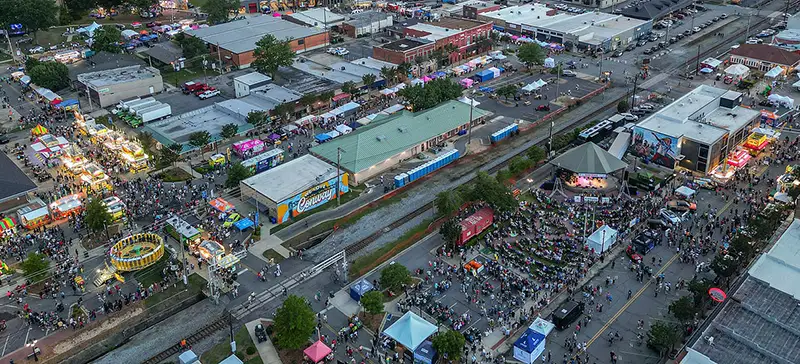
[265, 349]
[343, 302]
[266, 243]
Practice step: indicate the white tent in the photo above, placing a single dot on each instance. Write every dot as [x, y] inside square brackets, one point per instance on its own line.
[602, 239]
[711, 62]
[775, 72]
[685, 191]
[737, 70]
[344, 129]
[549, 62]
[128, 34]
[89, 29]
[333, 134]
[534, 85]
[467, 101]
[783, 101]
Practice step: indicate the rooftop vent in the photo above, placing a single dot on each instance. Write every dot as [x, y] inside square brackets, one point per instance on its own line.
[381, 138]
[402, 129]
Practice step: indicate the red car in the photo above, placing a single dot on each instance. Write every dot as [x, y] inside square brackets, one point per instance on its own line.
[543, 108]
[636, 257]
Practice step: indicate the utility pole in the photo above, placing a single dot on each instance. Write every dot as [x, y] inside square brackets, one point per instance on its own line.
[469, 126]
[338, 178]
[747, 32]
[205, 63]
[697, 61]
[550, 140]
[219, 57]
[633, 95]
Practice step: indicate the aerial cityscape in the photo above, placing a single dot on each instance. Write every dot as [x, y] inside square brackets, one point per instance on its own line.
[378, 182]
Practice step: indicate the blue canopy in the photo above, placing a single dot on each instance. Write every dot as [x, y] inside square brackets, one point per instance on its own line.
[360, 288]
[243, 224]
[425, 353]
[529, 346]
[411, 330]
[67, 103]
[89, 28]
[322, 137]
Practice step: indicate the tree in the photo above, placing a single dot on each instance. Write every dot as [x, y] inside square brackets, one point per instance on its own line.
[167, 155]
[531, 54]
[434, 93]
[31, 62]
[229, 131]
[97, 217]
[369, 79]
[451, 232]
[450, 344]
[142, 5]
[146, 140]
[519, 164]
[699, 289]
[78, 8]
[219, 10]
[793, 192]
[308, 99]
[489, 190]
[683, 309]
[294, 323]
[191, 46]
[107, 39]
[349, 87]
[662, 337]
[724, 265]
[284, 110]
[389, 74]
[402, 70]
[35, 266]
[200, 139]
[327, 96]
[623, 106]
[236, 174]
[64, 16]
[485, 44]
[271, 54]
[257, 117]
[34, 15]
[536, 154]
[52, 75]
[394, 276]
[448, 202]
[372, 302]
[507, 90]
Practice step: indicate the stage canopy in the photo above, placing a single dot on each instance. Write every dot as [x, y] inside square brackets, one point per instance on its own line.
[243, 224]
[410, 330]
[317, 351]
[596, 241]
[360, 288]
[589, 158]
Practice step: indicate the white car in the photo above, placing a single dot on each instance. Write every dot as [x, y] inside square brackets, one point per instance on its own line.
[670, 216]
[696, 30]
[37, 49]
[630, 117]
[208, 94]
[342, 52]
[568, 73]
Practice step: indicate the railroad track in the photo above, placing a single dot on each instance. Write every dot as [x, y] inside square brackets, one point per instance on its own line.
[363, 243]
[205, 332]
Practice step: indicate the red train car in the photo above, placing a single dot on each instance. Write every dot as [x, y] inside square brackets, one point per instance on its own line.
[476, 223]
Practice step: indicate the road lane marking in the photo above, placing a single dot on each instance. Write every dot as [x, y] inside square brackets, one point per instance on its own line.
[5, 345]
[239, 273]
[630, 301]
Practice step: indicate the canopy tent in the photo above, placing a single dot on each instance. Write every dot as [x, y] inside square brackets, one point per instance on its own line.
[128, 33]
[782, 197]
[221, 205]
[782, 101]
[306, 120]
[467, 82]
[769, 132]
[534, 85]
[25, 80]
[233, 359]
[39, 130]
[244, 224]
[417, 81]
[589, 158]
[775, 72]
[393, 109]
[425, 353]
[366, 120]
[66, 104]
[706, 70]
[796, 85]
[48, 94]
[549, 62]
[737, 70]
[542, 326]
[388, 91]
[321, 138]
[410, 330]
[334, 134]
[685, 191]
[711, 62]
[89, 29]
[468, 101]
[7, 223]
[602, 239]
[289, 128]
[359, 289]
[529, 346]
[317, 351]
[344, 129]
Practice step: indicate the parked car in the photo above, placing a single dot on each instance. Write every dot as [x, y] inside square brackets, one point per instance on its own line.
[617, 54]
[568, 73]
[629, 117]
[630, 47]
[37, 49]
[649, 51]
[543, 108]
[681, 205]
[669, 216]
[723, 16]
[208, 94]
[642, 42]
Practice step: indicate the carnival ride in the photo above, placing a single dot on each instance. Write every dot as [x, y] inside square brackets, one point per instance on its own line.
[133, 253]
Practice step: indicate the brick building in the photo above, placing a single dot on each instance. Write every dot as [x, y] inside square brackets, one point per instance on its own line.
[472, 11]
[236, 40]
[423, 38]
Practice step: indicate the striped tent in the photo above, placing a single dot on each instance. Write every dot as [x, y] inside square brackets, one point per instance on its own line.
[7, 223]
[39, 130]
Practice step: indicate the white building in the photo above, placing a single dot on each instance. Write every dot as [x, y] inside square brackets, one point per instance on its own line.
[106, 88]
[243, 84]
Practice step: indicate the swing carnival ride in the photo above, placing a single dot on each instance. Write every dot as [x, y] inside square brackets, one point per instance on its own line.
[133, 253]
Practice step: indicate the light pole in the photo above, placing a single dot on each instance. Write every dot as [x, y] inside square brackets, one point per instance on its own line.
[205, 64]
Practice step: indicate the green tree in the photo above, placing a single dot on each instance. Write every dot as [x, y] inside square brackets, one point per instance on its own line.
[489, 190]
[271, 54]
[369, 79]
[107, 39]
[326, 96]
[146, 140]
[519, 164]
[623, 106]
[236, 174]
[432, 94]
[536, 154]
[219, 10]
[531, 54]
[200, 139]
[683, 309]
[308, 99]
[450, 344]
[78, 8]
[507, 91]
[662, 337]
[284, 110]
[64, 16]
[294, 323]
[35, 267]
[52, 75]
[485, 44]
[229, 131]
[402, 70]
[349, 87]
[793, 192]
[699, 289]
[142, 5]
[372, 302]
[724, 266]
[34, 15]
[167, 156]
[389, 74]
[31, 62]
[448, 201]
[97, 217]
[394, 276]
[191, 46]
[257, 117]
[451, 232]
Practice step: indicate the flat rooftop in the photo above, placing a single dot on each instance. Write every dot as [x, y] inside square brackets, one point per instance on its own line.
[373, 63]
[13, 181]
[291, 178]
[444, 28]
[698, 116]
[117, 76]
[240, 36]
[596, 27]
[102, 61]
[270, 95]
[318, 17]
[402, 45]
[530, 14]
[366, 18]
[253, 78]
[177, 129]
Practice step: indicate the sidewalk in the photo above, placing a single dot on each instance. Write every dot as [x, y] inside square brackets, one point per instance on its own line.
[265, 349]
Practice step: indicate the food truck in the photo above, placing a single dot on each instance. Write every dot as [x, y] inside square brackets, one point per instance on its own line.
[182, 231]
[73, 159]
[249, 148]
[216, 160]
[66, 206]
[94, 176]
[208, 249]
[264, 161]
[134, 156]
[115, 207]
[34, 215]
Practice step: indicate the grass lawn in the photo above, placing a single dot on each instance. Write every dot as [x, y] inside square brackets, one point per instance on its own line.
[4, 57]
[46, 38]
[354, 192]
[243, 345]
[151, 274]
[272, 254]
[182, 76]
[367, 262]
[177, 293]
[174, 174]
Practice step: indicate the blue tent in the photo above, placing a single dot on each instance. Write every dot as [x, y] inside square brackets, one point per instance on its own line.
[411, 330]
[67, 103]
[425, 353]
[321, 138]
[529, 346]
[243, 224]
[360, 288]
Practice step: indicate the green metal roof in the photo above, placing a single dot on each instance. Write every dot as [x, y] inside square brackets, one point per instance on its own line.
[389, 135]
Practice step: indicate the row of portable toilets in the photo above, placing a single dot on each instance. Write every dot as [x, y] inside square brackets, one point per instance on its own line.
[444, 159]
[503, 133]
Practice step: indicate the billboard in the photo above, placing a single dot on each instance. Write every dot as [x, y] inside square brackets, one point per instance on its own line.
[654, 147]
[311, 198]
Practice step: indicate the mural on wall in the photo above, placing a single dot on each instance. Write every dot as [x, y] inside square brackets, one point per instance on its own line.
[654, 147]
[312, 198]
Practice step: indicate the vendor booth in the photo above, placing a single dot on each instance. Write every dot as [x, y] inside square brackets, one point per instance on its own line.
[66, 206]
[221, 205]
[737, 71]
[685, 192]
[602, 239]
[49, 146]
[33, 218]
[244, 224]
[529, 346]
[360, 288]
[249, 148]
[94, 176]
[410, 331]
[317, 352]
[133, 156]
[756, 143]
[7, 226]
[39, 130]
[73, 159]
[775, 72]
[322, 138]
[264, 161]
[343, 129]
[182, 231]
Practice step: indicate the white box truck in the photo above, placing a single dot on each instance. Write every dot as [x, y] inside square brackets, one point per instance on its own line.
[125, 106]
[134, 110]
[155, 112]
